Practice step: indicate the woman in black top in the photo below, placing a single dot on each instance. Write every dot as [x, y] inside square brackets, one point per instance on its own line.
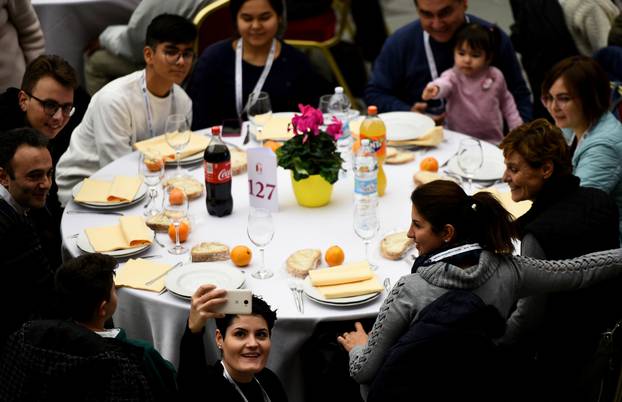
[244, 342]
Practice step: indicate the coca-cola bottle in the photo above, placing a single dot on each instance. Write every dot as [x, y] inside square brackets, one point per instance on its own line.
[217, 167]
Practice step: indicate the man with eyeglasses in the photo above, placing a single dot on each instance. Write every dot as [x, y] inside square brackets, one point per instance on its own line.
[25, 179]
[420, 51]
[118, 50]
[134, 107]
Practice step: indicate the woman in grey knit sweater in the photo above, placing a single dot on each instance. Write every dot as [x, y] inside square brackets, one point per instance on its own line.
[464, 242]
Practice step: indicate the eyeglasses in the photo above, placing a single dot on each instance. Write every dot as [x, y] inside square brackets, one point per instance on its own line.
[50, 107]
[560, 100]
[172, 55]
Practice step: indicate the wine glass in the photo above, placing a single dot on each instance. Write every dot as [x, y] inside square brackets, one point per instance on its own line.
[366, 225]
[151, 168]
[259, 110]
[176, 209]
[177, 136]
[260, 231]
[470, 158]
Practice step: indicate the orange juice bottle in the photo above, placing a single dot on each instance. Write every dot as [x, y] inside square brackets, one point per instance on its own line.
[373, 129]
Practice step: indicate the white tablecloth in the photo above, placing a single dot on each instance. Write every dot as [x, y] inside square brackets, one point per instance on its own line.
[161, 319]
[68, 25]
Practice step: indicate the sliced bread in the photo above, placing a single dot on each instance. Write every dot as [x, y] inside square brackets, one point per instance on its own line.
[191, 186]
[209, 251]
[394, 246]
[302, 261]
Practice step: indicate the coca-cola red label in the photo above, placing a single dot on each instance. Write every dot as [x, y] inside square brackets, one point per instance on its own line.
[216, 173]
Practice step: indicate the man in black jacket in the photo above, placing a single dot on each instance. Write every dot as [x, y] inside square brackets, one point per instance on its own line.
[25, 180]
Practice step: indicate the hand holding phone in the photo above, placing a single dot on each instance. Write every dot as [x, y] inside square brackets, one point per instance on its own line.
[239, 301]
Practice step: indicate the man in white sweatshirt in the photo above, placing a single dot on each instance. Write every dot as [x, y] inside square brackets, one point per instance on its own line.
[134, 107]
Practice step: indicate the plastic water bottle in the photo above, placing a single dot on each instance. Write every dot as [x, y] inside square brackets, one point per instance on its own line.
[366, 175]
[339, 106]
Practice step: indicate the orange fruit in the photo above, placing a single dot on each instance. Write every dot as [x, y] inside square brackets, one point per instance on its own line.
[154, 165]
[176, 196]
[184, 231]
[334, 256]
[241, 256]
[429, 164]
[273, 145]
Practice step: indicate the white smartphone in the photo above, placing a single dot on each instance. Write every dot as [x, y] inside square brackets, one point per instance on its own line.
[239, 301]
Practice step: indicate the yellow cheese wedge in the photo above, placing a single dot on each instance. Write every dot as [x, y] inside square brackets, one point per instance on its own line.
[136, 272]
[346, 273]
[124, 188]
[351, 289]
[93, 191]
[158, 144]
[130, 232]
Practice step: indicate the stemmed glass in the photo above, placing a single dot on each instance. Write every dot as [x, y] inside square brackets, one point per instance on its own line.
[366, 225]
[259, 110]
[176, 209]
[177, 136]
[151, 168]
[260, 231]
[470, 158]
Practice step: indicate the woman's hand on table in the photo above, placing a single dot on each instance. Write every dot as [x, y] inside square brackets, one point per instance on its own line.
[203, 301]
[351, 339]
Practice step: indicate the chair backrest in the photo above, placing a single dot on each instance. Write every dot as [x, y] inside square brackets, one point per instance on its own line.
[213, 24]
[325, 30]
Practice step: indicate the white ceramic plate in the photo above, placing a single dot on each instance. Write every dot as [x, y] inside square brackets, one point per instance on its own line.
[185, 280]
[315, 295]
[492, 169]
[83, 244]
[140, 194]
[400, 126]
[188, 160]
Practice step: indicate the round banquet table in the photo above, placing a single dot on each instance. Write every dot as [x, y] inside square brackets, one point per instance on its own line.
[161, 318]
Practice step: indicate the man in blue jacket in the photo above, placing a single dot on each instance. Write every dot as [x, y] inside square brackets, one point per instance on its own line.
[421, 50]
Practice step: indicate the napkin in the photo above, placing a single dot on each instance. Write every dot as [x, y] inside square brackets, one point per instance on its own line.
[367, 286]
[130, 232]
[340, 274]
[158, 144]
[136, 272]
[276, 129]
[431, 138]
[505, 198]
[120, 189]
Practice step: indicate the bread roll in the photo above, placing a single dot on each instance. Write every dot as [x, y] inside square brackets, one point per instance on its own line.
[395, 245]
[209, 251]
[192, 187]
[302, 261]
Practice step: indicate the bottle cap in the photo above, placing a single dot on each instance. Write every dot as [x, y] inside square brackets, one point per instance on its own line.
[216, 130]
[338, 90]
[372, 110]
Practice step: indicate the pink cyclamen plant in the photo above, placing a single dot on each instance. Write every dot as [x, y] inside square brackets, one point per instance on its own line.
[311, 120]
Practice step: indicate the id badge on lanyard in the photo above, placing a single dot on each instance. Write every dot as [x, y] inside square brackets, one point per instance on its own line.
[238, 77]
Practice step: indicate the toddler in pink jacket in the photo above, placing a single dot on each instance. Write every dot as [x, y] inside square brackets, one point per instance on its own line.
[477, 97]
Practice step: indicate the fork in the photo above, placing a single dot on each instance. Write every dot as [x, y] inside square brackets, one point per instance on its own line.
[292, 288]
[300, 298]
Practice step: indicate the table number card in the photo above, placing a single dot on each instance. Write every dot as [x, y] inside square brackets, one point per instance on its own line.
[262, 190]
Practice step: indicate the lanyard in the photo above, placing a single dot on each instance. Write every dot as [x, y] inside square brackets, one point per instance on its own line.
[454, 251]
[260, 81]
[225, 373]
[143, 87]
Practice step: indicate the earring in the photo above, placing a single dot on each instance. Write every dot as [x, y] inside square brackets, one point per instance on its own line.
[446, 240]
[219, 346]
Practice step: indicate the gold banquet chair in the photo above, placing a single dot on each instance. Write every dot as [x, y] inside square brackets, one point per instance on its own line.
[342, 11]
[213, 24]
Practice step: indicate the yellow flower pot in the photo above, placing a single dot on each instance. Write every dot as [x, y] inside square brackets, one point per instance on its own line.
[313, 191]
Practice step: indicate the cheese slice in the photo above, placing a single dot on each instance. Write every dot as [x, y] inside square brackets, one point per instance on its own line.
[124, 188]
[130, 232]
[276, 129]
[93, 191]
[346, 273]
[158, 144]
[367, 286]
[136, 272]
